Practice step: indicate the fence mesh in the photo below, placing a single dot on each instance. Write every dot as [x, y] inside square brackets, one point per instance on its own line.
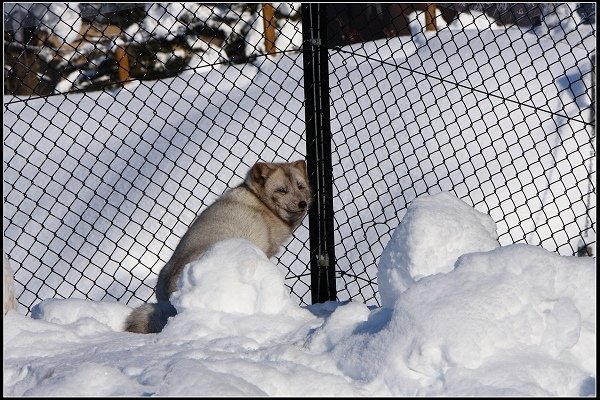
[493, 104]
[102, 177]
[122, 121]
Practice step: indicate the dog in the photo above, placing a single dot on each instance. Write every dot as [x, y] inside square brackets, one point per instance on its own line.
[265, 209]
[8, 292]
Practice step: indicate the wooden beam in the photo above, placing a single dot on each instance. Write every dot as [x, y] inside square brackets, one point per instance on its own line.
[430, 10]
[123, 64]
[269, 25]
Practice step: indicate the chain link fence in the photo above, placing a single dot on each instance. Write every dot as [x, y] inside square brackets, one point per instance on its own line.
[493, 103]
[122, 121]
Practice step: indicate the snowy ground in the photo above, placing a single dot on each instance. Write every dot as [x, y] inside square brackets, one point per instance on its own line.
[465, 311]
[461, 316]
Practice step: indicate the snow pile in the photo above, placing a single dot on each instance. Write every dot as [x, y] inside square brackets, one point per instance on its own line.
[232, 288]
[82, 312]
[429, 240]
[468, 319]
[516, 320]
[233, 276]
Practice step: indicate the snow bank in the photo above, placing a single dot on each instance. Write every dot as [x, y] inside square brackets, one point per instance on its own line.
[515, 320]
[434, 232]
[78, 311]
[233, 276]
[233, 288]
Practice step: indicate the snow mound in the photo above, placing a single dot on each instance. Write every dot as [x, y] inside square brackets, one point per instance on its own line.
[80, 311]
[434, 232]
[514, 320]
[233, 288]
[233, 276]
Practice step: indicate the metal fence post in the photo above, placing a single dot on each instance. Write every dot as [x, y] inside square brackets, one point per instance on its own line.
[318, 152]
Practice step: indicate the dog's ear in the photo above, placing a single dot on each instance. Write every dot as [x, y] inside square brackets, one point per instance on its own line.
[260, 172]
[301, 165]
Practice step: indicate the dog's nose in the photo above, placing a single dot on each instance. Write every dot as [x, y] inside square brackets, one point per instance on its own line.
[302, 205]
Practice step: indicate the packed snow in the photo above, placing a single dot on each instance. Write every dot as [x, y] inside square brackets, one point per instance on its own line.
[466, 318]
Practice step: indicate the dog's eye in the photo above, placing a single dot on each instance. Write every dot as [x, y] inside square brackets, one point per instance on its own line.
[281, 190]
[300, 186]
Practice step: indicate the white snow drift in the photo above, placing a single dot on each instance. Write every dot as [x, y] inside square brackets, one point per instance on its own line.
[461, 317]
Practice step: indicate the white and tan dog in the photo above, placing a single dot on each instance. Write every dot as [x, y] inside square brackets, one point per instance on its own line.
[8, 292]
[265, 209]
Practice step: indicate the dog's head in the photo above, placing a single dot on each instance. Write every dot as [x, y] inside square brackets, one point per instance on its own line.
[283, 187]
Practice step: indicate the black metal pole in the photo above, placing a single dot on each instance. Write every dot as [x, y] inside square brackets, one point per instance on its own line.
[318, 151]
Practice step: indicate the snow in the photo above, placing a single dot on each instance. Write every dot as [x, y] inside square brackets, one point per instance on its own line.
[465, 311]
[394, 138]
[62, 19]
[205, 285]
[514, 320]
[434, 130]
[429, 241]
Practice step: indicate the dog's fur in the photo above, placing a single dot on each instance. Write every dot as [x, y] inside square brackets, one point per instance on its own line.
[8, 292]
[265, 210]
